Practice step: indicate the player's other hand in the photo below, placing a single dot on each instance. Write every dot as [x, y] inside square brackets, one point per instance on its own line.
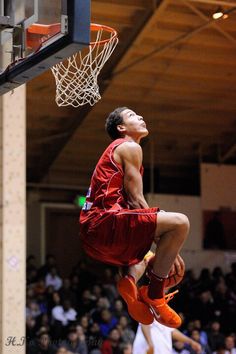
[196, 346]
[178, 267]
[150, 350]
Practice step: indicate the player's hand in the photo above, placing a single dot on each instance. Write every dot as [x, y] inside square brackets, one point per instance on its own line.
[178, 266]
[196, 346]
[150, 350]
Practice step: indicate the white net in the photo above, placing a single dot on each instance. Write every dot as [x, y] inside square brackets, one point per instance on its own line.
[76, 77]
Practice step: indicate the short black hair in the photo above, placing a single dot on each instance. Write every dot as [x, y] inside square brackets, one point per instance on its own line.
[115, 118]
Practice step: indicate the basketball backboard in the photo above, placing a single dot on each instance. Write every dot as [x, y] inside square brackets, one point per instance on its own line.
[64, 29]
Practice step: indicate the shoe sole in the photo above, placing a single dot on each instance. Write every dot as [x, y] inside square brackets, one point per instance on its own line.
[137, 309]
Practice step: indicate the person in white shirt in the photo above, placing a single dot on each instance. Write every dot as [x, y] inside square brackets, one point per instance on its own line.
[157, 339]
[64, 314]
[53, 279]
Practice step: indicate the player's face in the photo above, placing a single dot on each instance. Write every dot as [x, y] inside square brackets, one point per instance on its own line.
[133, 125]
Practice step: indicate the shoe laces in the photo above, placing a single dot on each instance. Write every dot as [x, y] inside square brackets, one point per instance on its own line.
[170, 296]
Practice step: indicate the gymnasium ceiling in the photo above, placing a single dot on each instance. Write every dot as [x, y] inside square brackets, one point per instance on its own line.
[173, 65]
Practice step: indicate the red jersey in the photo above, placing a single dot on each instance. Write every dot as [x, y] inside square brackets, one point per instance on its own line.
[106, 190]
[110, 231]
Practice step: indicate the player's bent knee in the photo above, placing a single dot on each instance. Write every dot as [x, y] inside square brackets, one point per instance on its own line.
[167, 222]
[182, 223]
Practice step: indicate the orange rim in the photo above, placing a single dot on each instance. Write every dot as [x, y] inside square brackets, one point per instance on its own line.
[94, 27]
[55, 28]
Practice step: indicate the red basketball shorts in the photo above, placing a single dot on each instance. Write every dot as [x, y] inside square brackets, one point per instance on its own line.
[120, 237]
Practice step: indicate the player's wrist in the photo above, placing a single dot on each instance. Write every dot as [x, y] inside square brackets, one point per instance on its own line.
[192, 343]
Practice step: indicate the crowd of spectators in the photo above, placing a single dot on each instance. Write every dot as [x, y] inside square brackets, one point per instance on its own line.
[84, 314]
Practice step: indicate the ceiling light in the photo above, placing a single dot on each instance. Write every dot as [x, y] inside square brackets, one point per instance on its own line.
[219, 13]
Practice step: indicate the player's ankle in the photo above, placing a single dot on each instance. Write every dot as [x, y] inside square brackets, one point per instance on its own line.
[156, 286]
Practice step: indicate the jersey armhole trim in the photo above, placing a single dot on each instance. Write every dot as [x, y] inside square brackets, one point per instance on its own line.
[115, 163]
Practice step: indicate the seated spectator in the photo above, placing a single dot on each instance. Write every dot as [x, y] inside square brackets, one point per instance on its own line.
[87, 302]
[32, 309]
[102, 304]
[109, 284]
[108, 322]
[49, 291]
[54, 299]
[97, 291]
[203, 334]
[64, 313]
[75, 285]
[127, 334]
[108, 276]
[66, 293]
[203, 307]
[80, 332]
[45, 269]
[74, 344]
[84, 323]
[231, 277]
[217, 274]
[189, 329]
[31, 277]
[125, 348]
[41, 345]
[184, 303]
[230, 345]
[119, 309]
[84, 275]
[94, 338]
[205, 280]
[42, 302]
[179, 348]
[39, 287]
[30, 294]
[52, 278]
[112, 343]
[62, 316]
[31, 327]
[43, 322]
[231, 323]
[42, 330]
[215, 337]
[221, 298]
[195, 335]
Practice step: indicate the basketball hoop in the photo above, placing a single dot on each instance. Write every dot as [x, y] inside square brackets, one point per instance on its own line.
[76, 77]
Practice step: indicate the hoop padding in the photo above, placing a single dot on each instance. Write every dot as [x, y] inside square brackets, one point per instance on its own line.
[76, 77]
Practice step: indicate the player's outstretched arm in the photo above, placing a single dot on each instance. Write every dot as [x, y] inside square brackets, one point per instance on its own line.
[147, 335]
[179, 336]
[130, 154]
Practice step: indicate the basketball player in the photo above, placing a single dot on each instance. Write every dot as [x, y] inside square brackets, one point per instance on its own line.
[118, 227]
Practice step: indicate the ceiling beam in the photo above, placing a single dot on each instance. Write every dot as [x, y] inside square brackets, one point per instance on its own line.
[214, 25]
[163, 48]
[216, 2]
[146, 29]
